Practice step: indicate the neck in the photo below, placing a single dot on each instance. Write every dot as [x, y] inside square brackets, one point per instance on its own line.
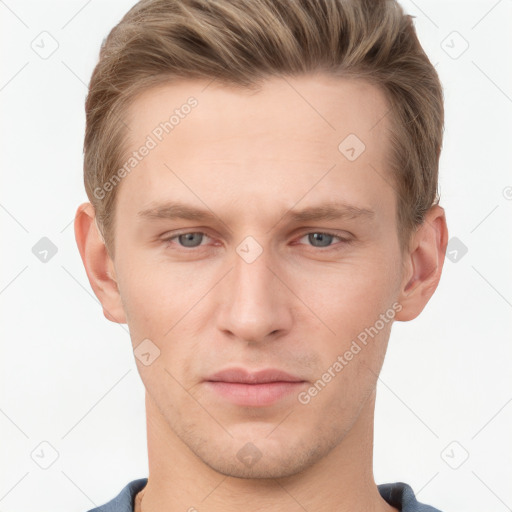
[342, 480]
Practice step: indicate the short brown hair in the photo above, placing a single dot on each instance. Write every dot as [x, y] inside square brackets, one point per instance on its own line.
[242, 42]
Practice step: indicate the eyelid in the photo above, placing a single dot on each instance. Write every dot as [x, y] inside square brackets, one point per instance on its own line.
[326, 231]
[343, 240]
[170, 236]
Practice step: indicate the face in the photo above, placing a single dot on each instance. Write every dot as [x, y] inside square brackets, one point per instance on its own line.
[259, 233]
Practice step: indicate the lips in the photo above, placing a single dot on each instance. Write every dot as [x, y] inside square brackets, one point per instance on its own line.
[242, 376]
[253, 389]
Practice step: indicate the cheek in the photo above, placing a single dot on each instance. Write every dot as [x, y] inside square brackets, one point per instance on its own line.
[347, 298]
[157, 295]
[352, 343]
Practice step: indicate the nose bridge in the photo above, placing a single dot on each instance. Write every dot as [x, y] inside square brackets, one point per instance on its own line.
[253, 305]
[252, 277]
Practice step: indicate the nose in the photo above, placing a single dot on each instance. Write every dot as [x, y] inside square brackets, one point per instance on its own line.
[256, 305]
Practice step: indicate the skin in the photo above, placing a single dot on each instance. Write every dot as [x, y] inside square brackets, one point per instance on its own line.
[250, 158]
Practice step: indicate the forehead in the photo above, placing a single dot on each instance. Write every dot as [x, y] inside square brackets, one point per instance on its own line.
[305, 137]
[325, 107]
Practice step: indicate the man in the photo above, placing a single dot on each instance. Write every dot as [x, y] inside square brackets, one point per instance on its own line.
[262, 178]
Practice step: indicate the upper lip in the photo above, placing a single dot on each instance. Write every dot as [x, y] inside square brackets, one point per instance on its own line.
[244, 376]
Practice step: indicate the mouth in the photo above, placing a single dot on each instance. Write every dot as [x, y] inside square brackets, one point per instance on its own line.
[253, 389]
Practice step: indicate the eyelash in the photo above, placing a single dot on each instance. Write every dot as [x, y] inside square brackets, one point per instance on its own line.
[343, 241]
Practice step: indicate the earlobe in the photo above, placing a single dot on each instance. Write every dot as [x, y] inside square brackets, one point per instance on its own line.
[98, 264]
[426, 259]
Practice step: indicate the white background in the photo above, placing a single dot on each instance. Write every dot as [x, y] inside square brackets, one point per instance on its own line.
[68, 375]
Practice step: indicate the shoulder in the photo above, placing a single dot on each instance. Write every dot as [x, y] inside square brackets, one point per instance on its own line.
[401, 496]
[123, 502]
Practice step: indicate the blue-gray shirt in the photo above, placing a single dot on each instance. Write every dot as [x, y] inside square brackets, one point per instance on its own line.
[398, 495]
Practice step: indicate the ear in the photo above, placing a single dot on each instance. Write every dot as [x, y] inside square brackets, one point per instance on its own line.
[423, 265]
[98, 264]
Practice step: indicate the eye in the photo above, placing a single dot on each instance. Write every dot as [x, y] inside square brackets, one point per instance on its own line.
[322, 239]
[188, 240]
[192, 240]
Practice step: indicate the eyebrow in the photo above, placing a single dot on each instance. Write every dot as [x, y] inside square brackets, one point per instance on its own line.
[328, 211]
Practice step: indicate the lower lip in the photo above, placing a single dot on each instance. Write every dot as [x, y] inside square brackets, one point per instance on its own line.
[254, 395]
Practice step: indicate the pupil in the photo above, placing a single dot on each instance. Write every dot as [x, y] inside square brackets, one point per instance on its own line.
[322, 237]
[188, 239]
